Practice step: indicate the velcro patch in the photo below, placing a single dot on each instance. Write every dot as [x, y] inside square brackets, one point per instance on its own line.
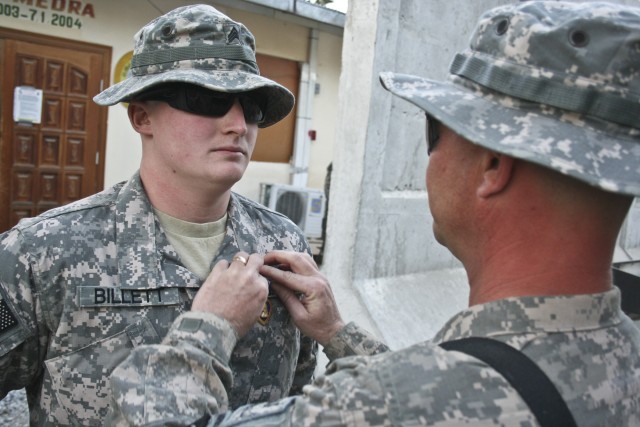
[7, 318]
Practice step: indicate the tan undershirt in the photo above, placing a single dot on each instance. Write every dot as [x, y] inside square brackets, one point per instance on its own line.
[197, 244]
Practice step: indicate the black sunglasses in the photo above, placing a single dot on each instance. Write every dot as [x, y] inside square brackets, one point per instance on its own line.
[433, 133]
[204, 102]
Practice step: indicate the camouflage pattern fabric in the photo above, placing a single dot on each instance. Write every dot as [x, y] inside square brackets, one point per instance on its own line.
[586, 345]
[352, 341]
[199, 45]
[84, 284]
[552, 83]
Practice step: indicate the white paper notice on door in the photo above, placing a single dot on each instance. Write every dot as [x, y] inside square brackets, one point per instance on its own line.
[27, 104]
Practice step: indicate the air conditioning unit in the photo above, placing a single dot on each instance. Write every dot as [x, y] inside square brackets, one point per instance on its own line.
[303, 206]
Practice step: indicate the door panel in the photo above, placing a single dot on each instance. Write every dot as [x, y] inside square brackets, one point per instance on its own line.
[275, 143]
[61, 159]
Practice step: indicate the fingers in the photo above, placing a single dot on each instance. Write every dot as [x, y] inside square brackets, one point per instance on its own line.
[293, 281]
[316, 314]
[291, 269]
[243, 259]
[219, 267]
[244, 264]
[239, 289]
[240, 258]
[234, 291]
[290, 300]
[298, 262]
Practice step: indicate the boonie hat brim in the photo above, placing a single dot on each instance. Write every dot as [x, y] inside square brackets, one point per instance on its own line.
[553, 83]
[602, 154]
[279, 100]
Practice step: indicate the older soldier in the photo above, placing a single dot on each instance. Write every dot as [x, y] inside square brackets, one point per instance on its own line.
[534, 147]
[82, 285]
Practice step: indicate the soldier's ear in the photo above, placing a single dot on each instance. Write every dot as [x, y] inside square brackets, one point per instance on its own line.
[139, 117]
[497, 173]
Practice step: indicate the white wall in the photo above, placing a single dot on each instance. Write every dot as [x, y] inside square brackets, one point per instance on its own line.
[325, 111]
[114, 25]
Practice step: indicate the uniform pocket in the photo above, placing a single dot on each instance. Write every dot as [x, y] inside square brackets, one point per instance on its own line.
[80, 380]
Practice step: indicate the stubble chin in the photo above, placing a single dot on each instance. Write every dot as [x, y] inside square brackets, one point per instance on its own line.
[229, 174]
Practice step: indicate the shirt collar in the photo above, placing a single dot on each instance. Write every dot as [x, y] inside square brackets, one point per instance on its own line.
[138, 260]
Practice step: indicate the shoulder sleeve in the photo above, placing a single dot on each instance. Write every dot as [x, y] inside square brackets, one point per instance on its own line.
[348, 396]
[260, 229]
[351, 395]
[353, 341]
[19, 348]
[180, 379]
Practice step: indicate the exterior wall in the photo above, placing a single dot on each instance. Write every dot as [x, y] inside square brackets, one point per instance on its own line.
[325, 113]
[324, 118]
[114, 25]
[380, 249]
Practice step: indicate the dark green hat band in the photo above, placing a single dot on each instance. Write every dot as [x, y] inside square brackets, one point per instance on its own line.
[140, 61]
[509, 79]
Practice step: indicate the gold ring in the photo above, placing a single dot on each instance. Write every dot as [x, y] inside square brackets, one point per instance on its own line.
[240, 258]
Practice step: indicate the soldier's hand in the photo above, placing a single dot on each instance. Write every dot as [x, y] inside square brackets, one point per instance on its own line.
[305, 292]
[234, 291]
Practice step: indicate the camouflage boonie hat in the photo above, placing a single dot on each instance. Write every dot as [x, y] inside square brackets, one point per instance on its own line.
[198, 45]
[553, 83]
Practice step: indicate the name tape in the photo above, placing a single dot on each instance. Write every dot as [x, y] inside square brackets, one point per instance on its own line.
[104, 296]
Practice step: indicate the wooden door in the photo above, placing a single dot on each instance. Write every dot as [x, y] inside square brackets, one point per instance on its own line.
[275, 143]
[61, 159]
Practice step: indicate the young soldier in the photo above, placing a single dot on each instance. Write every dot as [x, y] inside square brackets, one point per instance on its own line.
[83, 284]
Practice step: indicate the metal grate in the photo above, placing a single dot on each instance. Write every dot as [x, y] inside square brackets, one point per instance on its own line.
[292, 204]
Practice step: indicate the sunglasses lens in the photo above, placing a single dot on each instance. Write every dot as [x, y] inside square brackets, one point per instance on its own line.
[196, 100]
[253, 112]
[217, 104]
[207, 103]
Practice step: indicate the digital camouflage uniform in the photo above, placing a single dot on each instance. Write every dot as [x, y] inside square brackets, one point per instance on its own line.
[84, 284]
[554, 83]
[87, 282]
[420, 385]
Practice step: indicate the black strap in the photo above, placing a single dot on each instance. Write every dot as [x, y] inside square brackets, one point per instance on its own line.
[523, 374]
